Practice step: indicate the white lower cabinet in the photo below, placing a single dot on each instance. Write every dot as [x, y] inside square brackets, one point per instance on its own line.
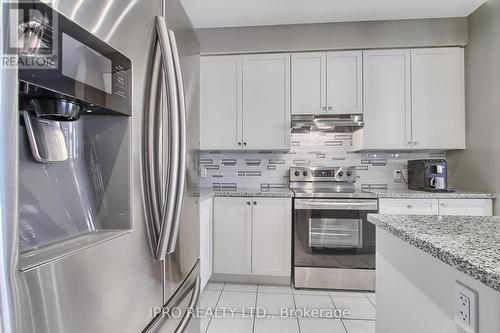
[252, 236]
[232, 236]
[206, 236]
[271, 237]
[475, 207]
[408, 206]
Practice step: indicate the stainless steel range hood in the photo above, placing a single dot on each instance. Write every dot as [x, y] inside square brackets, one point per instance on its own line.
[326, 123]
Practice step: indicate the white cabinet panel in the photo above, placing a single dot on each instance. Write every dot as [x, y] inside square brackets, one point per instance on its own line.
[344, 82]
[387, 102]
[474, 207]
[308, 83]
[220, 102]
[438, 98]
[266, 101]
[408, 206]
[232, 235]
[252, 236]
[206, 236]
[272, 225]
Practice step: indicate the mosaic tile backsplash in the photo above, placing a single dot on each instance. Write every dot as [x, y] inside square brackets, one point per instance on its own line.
[375, 170]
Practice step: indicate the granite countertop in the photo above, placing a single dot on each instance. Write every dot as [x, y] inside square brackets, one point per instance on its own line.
[411, 194]
[247, 192]
[255, 192]
[470, 244]
[205, 193]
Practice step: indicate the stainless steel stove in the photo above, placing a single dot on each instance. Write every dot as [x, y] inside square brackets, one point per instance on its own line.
[334, 244]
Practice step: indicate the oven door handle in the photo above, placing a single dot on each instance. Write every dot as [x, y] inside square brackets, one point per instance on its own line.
[326, 204]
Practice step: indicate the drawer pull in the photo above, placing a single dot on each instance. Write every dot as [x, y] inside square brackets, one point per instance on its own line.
[409, 206]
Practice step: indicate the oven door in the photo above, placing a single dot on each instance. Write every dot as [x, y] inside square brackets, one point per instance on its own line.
[334, 233]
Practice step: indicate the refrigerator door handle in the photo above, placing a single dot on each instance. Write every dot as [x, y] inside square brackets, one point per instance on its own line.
[183, 145]
[10, 295]
[151, 193]
[169, 197]
[186, 318]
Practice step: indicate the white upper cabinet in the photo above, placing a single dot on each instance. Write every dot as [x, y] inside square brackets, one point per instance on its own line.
[245, 102]
[438, 98]
[327, 82]
[344, 82]
[266, 101]
[387, 101]
[413, 100]
[221, 102]
[309, 83]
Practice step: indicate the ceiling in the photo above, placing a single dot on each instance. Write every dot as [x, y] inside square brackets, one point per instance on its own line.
[238, 13]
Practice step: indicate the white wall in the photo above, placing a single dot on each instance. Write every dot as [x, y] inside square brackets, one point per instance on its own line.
[415, 291]
[334, 36]
[477, 167]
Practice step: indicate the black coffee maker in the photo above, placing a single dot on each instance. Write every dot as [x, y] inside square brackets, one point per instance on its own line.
[428, 175]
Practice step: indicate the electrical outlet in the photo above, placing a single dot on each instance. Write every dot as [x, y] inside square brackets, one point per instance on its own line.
[397, 176]
[466, 308]
[204, 173]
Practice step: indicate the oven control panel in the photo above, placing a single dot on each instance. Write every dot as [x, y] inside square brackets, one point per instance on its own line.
[318, 174]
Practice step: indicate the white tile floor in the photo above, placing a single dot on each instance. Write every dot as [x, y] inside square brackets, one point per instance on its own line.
[243, 299]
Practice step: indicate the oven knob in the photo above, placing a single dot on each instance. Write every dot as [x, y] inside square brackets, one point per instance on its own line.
[305, 173]
[297, 173]
[340, 174]
[349, 173]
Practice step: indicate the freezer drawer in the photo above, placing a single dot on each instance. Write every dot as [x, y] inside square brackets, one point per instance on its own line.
[179, 314]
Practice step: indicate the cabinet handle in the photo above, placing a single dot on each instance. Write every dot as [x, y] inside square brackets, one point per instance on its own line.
[255, 203]
[239, 143]
[330, 108]
[248, 203]
[323, 108]
[409, 142]
[415, 142]
[409, 206]
[244, 143]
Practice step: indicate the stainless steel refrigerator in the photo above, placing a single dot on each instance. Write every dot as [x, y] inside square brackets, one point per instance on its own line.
[98, 165]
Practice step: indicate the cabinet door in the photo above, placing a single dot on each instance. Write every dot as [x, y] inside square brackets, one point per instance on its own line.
[473, 207]
[344, 82]
[232, 235]
[387, 102]
[206, 236]
[266, 101]
[309, 83]
[408, 206]
[438, 98]
[220, 102]
[271, 243]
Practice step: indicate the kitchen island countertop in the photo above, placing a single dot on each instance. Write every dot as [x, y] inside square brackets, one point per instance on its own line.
[471, 244]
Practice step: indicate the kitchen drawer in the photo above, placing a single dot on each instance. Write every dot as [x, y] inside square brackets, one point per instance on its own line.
[474, 207]
[408, 206]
